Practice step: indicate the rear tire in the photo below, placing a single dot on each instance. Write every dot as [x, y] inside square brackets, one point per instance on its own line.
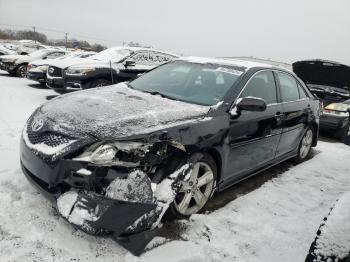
[195, 192]
[100, 83]
[305, 146]
[21, 71]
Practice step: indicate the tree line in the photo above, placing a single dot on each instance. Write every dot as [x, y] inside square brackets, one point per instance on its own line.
[42, 38]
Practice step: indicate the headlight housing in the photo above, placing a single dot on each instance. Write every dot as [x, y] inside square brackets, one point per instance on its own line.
[79, 71]
[339, 109]
[42, 68]
[128, 154]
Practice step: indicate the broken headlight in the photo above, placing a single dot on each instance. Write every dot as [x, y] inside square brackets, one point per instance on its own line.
[128, 154]
[104, 154]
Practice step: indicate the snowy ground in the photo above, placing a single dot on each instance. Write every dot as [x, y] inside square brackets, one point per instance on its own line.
[272, 217]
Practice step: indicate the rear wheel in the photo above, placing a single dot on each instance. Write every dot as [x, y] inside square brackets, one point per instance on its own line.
[100, 82]
[21, 71]
[305, 146]
[197, 190]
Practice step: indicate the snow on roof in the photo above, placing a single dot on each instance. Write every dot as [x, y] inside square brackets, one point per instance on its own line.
[230, 62]
[136, 48]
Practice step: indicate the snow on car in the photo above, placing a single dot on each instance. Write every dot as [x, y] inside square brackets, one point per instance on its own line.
[17, 64]
[37, 69]
[275, 222]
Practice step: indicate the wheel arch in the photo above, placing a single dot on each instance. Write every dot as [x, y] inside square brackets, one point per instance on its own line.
[218, 160]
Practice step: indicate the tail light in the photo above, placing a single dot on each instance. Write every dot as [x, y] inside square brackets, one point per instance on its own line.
[29, 66]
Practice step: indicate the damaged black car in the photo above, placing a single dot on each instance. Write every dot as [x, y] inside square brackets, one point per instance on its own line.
[117, 160]
[330, 81]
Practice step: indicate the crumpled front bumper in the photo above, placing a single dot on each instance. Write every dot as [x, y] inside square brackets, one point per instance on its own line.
[89, 211]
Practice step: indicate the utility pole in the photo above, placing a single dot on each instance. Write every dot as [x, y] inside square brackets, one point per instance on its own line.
[66, 37]
[34, 33]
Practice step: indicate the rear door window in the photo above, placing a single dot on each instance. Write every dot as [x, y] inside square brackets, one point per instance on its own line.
[289, 87]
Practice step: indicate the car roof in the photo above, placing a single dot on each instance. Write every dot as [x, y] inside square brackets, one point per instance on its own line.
[228, 61]
[134, 49]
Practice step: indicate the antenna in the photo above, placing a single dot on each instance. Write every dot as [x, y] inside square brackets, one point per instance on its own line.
[110, 68]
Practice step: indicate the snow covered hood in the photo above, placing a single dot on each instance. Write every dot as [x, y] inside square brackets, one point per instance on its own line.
[115, 112]
[64, 63]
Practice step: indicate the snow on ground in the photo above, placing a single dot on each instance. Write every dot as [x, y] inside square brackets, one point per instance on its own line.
[276, 222]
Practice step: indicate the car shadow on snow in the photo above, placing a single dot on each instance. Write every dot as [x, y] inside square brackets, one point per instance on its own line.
[37, 86]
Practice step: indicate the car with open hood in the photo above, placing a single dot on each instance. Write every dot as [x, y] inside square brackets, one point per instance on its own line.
[115, 159]
[111, 66]
[37, 69]
[17, 64]
[330, 81]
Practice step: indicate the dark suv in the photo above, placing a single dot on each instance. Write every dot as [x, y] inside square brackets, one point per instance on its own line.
[113, 65]
[117, 158]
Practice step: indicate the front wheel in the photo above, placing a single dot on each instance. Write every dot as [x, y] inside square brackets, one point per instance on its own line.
[304, 149]
[197, 190]
[21, 71]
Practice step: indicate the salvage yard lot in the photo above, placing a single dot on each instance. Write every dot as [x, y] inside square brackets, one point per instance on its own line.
[277, 221]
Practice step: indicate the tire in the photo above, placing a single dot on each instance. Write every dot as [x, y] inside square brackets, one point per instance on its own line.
[305, 146]
[21, 71]
[100, 82]
[192, 197]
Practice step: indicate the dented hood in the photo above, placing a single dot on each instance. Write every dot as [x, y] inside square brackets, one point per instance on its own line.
[115, 112]
[324, 73]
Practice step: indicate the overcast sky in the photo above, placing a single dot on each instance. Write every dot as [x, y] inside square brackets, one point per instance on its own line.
[283, 30]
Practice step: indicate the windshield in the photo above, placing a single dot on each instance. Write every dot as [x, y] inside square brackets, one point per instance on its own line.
[204, 84]
[112, 54]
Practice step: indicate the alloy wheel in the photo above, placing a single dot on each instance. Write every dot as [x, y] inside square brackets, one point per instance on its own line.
[306, 144]
[23, 71]
[196, 191]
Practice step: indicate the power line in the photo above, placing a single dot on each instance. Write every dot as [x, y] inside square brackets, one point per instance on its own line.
[61, 32]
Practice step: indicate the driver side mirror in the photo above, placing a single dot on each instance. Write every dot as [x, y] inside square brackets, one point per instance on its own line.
[252, 104]
[128, 63]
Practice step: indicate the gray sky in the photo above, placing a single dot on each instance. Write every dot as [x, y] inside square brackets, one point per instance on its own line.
[276, 29]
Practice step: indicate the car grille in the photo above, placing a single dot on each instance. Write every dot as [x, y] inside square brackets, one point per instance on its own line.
[54, 71]
[48, 138]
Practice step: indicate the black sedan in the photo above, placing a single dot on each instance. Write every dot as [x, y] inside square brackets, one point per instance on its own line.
[117, 159]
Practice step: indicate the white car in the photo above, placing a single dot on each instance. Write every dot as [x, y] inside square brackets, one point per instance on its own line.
[17, 64]
[5, 50]
[36, 70]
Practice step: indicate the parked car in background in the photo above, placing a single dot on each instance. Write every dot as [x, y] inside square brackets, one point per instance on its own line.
[5, 50]
[332, 242]
[17, 64]
[37, 69]
[108, 67]
[116, 158]
[330, 81]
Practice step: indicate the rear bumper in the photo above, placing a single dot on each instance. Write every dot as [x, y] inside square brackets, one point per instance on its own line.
[37, 76]
[333, 122]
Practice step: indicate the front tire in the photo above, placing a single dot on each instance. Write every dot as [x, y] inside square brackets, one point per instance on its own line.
[196, 191]
[305, 146]
[21, 71]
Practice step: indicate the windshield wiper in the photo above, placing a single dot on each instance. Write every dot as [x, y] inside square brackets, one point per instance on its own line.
[162, 95]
